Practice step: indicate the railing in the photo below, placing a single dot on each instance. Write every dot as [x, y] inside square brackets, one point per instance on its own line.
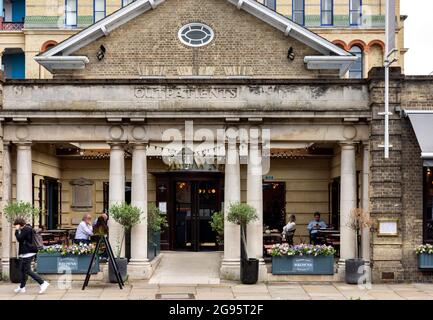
[12, 26]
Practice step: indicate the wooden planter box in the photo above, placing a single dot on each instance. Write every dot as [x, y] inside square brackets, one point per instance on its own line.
[425, 261]
[320, 265]
[48, 263]
[153, 245]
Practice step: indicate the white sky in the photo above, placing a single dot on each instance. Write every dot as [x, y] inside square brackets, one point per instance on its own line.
[418, 36]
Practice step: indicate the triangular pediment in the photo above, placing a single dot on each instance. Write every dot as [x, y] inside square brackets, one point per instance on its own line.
[320, 53]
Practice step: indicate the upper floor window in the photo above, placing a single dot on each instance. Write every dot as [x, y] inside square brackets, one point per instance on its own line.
[271, 4]
[355, 12]
[298, 12]
[327, 12]
[98, 10]
[71, 13]
[356, 70]
[126, 2]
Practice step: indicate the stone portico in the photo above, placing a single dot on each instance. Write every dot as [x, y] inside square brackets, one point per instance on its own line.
[129, 140]
[134, 113]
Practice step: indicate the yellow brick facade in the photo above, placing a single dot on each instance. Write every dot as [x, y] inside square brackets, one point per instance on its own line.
[45, 22]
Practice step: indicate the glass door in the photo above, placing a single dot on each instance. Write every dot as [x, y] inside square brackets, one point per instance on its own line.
[195, 203]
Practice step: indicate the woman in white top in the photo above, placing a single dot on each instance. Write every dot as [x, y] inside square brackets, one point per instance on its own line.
[289, 229]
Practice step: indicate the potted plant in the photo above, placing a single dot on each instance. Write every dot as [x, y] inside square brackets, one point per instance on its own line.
[156, 222]
[242, 214]
[303, 259]
[425, 256]
[13, 211]
[359, 219]
[74, 259]
[217, 225]
[127, 216]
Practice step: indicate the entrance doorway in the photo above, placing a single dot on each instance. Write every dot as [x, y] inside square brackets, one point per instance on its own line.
[50, 201]
[274, 205]
[191, 199]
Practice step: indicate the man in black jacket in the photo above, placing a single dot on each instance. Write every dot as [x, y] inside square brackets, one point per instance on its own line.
[27, 252]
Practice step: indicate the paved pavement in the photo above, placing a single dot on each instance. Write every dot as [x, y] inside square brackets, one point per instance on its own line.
[188, 267]
[141, 290]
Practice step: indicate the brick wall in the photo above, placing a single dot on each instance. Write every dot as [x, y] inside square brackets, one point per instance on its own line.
[149, 45]
[396, 185]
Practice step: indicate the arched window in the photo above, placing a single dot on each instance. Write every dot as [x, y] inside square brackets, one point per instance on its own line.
[356, 70]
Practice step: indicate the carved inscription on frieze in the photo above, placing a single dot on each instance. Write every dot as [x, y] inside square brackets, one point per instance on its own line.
[186, 93]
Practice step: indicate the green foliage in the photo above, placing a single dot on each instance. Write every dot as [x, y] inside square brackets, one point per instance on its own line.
[241, 213]
[217, 225]
[156, 220]
[22, 210]
[126, 215]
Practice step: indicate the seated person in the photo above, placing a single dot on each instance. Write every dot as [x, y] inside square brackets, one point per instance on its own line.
[314, 226]
[84, 230]
[100, 228]
[289, 229]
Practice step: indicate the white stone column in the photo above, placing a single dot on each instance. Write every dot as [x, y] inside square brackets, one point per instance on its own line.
[7, 197]
[116, 193]
[24, 172]
[365, 245]
[139, 263]
[255, 199]
[347, 203]
[230, 267]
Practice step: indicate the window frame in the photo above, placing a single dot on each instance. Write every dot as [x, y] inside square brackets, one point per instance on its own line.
[424, 207]
[274, 2]
[331, 11]
[297, 11]
[66, 14]
[362, 62]
[94, 10]
[122, 2]
[353, 10]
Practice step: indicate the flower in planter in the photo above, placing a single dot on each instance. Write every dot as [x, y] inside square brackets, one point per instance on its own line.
[75, 249]
[284, 249]
[424, 248]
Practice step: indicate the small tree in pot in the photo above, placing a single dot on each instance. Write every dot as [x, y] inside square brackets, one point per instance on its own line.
[127, 216]
[217, 225]
[156, 222]
[359, 220]
[13, 211]
[242, 214]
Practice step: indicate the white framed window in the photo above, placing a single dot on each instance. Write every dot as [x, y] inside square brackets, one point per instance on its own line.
[298, 12]
[126, 2]
[356, 69]
[196, 34]
[355, 12]
[327, 12]
[71, 13]
[99, 10]
[271, 4]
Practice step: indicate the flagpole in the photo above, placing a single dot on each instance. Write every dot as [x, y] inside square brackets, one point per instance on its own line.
[389, 37]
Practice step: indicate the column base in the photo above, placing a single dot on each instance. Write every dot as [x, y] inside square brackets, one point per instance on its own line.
[341, 270]
[5, 273]
[140, 269]
[231, 270]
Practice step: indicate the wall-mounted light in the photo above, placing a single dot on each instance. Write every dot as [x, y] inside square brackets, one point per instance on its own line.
[101, 53]
[291, 54]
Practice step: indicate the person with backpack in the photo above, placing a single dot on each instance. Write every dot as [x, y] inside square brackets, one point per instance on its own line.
[29, 244]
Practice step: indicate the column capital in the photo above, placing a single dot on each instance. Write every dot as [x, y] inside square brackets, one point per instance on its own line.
[139, 145]
[116, 145]
[347, 145]
[24, 145]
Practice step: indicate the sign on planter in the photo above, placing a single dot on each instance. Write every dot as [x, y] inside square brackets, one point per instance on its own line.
[67, 264]
[303, 265]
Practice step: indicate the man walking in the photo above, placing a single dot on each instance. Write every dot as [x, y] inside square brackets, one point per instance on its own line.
[26, 253]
